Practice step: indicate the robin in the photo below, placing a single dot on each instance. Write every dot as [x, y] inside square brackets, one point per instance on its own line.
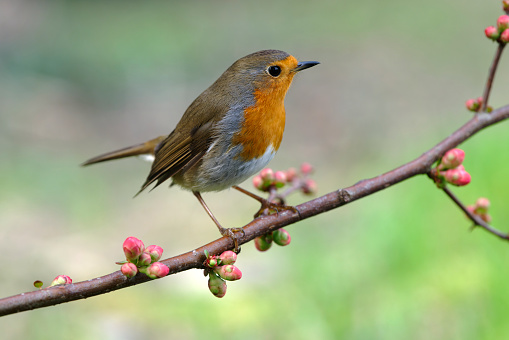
[227, 134]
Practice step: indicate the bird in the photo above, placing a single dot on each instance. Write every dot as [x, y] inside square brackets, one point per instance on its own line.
[228, 133]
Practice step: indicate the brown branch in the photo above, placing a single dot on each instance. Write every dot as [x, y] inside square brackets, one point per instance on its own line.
[262, 225]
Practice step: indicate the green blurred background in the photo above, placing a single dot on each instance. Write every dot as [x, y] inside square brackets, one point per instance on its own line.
[78, 78]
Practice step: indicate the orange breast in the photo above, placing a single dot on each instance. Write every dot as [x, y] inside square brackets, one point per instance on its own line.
[264, 124]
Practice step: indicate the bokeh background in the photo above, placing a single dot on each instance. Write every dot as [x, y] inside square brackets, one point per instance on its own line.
[78, 78]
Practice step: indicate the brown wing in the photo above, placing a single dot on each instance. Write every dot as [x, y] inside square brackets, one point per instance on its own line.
[192, 137]
[178, 153]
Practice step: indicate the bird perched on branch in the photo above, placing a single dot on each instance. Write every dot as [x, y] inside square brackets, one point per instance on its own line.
[227, 134]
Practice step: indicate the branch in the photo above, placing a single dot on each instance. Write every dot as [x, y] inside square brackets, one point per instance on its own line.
[260, 226]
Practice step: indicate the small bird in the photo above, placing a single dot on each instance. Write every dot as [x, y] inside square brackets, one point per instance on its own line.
[227, 134]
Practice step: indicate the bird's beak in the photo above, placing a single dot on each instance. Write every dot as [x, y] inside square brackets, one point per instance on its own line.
[304, 65]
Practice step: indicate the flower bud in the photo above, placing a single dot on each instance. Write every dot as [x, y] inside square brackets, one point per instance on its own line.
[457, 176]
[504, 37]
[291, 173]
[61, 280]
[157, 270]
[491, 32]
[452, 159]
[258, 182]
[306, 168]
[279, 179]
[505, 5]
[267, 175]
[473, 105]
[481, 205]
[129, 269]
[155, 252]
[133, 248]
[309, 187]
[503, 22]
[144, 259]
[281, 237]
[229, 272]
[263, 243]
[228, 257]
[216, 285]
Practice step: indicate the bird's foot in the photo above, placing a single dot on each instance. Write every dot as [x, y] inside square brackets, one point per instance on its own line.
[232, 233]
[269, 207]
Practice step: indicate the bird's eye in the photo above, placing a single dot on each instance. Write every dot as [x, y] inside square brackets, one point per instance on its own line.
[274, 71]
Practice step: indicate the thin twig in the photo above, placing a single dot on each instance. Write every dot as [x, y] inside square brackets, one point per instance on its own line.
[491, 76]
[476, 219]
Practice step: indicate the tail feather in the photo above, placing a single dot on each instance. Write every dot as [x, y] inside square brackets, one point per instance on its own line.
[147, 148]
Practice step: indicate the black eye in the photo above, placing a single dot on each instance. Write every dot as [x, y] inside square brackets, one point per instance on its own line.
[274, 71]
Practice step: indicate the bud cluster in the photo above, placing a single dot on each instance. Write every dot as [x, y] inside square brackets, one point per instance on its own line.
[221, 268]
[142, 259]
[475, 105]
[499, 33]
[480, 208]
[281, 237]
[451, 170]
[268, 179]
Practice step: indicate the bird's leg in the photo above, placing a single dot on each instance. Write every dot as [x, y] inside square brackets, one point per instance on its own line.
[230, 232]
[267, 204]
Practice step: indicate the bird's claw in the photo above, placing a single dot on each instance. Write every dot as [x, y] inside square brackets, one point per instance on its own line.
[232, 234]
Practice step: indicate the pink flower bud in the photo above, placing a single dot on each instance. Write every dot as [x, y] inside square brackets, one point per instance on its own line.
[505, 5]
[306, 168]
[133, 248]
[155, 252]
[267, 175]
[504, 37]
[258, 182]
[144, 259]
[457, 176]
[61, 280]
[503, 22]
[309, 187]
[452, 159]
[291, 173]
[472, 105]
[216, 285]
[279, 179]
[263, 243]
[228, 257]
[157, 270]
[481, 205]
[491, 32]
[281, 237]
[229, 272]
[129, 269]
